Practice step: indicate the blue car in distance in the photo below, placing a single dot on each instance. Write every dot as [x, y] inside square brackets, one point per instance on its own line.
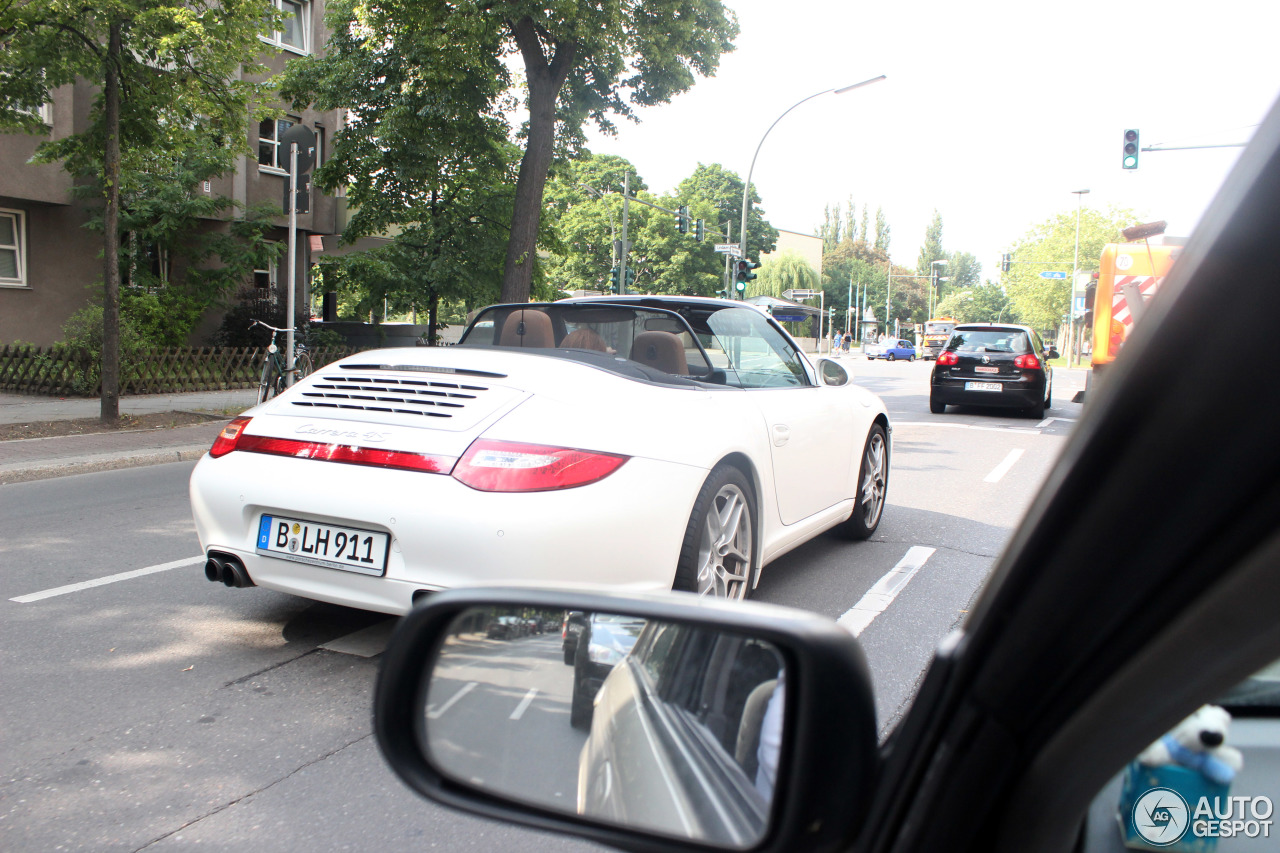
[892, 350]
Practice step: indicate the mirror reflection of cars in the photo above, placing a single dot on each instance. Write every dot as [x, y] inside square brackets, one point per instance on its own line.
[1141, 584]
[690, 397]
[574, 622]
[707, 692]
[993, 365]
[604, 641]
[506, 628]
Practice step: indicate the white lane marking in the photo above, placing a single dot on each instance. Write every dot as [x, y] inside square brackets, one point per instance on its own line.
[881, 595]
[436, 714]
[1031, 430]
[1044, 423]
[122, 576]
[524, 703]
[1003, 468]
[366, 643]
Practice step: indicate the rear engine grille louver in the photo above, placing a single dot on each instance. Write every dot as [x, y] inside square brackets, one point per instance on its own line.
[427, 398]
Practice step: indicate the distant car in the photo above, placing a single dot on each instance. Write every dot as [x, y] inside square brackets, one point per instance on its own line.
[506, 628]
[892, 351]
[605, 640]
[996, 365]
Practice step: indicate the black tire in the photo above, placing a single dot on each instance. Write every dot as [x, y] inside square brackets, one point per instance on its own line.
[911, 358]
[892, 357]
[1048, 398]
[568, 657]
[873, 474]
[936, 407]
[1036, 411]
[580, 706]
[302, 365]
[702, 569]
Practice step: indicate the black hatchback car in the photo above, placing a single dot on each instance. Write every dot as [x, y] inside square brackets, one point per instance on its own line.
[993, 364]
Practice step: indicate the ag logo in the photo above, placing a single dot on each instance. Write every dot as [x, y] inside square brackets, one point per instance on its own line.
[1161, 816]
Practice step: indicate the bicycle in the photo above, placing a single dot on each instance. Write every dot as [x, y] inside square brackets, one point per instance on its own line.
[274, 367]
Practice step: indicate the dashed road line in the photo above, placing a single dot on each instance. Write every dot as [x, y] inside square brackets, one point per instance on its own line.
[438, 712]
[122, 576]
[1003, 468]
[877, 599]
[524, 703]
[1031, 430]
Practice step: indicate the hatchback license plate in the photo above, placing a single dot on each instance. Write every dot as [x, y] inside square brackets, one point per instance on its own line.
[330, 545]
[982, 386]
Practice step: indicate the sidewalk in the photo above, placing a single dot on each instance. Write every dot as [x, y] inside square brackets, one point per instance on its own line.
[41, 458]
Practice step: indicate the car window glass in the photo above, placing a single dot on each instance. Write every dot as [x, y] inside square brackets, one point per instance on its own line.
[988, 340]
[753, 353]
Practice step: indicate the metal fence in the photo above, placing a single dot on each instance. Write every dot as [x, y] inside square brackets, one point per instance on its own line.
[64, 371]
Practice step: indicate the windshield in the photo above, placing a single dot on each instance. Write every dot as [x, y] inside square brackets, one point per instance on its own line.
[1014, 341]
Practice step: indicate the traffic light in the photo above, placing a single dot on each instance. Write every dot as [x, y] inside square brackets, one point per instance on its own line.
[1130, 159]
[613, 278]
[1005, 262]
[741, 286]
[631, 278]
[699, 231]
[682, 219]
[744, 272]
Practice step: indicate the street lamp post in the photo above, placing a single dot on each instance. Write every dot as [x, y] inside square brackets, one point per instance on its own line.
[746, 187]
[933, 282]
[1073, 352]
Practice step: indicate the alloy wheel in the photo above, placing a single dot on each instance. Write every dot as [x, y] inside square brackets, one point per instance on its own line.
[724, 550]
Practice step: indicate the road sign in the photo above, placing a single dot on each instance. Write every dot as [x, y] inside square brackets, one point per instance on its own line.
[1077, 306]
[799, 294]
[729, 248]
[1054, 274]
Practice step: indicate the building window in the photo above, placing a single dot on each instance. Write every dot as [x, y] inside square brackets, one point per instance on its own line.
[317, 153]
[293, 34]
[264, 284]
[13, 255]
[271, 154]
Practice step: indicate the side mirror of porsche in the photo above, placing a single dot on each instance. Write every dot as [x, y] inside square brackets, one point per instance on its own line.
[832, 372]
[682, 724]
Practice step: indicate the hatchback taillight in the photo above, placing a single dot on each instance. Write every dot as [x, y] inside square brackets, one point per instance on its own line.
[1027, 360]
[226, 440]
[506, 466]
[947, 358]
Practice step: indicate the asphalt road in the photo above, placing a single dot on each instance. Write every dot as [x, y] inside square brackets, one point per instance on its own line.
[160, 711]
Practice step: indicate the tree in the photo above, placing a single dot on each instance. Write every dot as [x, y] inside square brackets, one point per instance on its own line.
[587, 61]
[423, 155]
[931, 249]
[170, 77]
[964, 271]
[788, 271]
[721, 190]
[986, 302]
[1044, 303]
[882, 233]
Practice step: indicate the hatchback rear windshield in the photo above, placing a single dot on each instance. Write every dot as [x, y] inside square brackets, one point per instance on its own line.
[989, 340]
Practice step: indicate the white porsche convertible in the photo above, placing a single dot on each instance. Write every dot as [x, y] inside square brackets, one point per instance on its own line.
[633, 443]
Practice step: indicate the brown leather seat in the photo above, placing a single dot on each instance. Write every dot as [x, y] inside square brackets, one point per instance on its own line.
[584, 339]
[661, 351]
[527, 328]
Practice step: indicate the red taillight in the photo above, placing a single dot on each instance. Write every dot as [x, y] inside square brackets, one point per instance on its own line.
[372, 456]
[226, 440]
[505, 466]
[947, 358]
[1027, 360]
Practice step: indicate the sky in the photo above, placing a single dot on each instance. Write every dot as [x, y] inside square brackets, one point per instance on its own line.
[992, 113]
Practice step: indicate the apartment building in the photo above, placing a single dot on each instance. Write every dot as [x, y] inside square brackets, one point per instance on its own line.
[49, 261]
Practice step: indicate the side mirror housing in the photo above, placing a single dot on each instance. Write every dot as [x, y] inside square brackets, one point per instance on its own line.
[655, 766]
[832, 372]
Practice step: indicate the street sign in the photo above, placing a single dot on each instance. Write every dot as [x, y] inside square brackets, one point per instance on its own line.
[799, 294]
[729, 248]
[1077, 306]
[1054, 274]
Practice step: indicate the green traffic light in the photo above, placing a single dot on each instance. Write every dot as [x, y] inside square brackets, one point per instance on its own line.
[1131, 162]
[742, 286]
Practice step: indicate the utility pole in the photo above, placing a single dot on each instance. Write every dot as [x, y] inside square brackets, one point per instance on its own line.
[626, 207]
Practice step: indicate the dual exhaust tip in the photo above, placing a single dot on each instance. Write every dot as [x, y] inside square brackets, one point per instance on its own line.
[227, 569]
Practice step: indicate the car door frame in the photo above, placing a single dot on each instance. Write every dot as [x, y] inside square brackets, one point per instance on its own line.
[1136, 587]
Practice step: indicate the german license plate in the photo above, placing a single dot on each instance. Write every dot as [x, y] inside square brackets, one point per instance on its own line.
[982, 386]
[330, 545]
[985, 369]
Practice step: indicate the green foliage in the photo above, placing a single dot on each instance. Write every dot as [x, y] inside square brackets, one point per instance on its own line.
[1044, 303]
[931, 249]
[979, 303]
[716, 195]
[788, 271]
[881, 242]
[964, 271]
